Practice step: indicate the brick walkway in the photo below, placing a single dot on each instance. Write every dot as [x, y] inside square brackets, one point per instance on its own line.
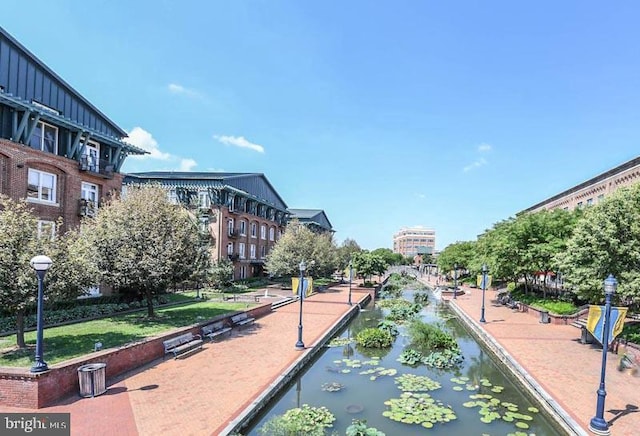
[566, 369]
[202, 393]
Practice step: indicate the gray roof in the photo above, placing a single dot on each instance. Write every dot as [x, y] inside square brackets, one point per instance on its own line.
[312, 216]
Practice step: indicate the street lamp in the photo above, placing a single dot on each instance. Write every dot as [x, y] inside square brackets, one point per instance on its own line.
[41, 264]
[300, 344]
[484, 288]
[350, 278]
[455, 280]
[597, 424]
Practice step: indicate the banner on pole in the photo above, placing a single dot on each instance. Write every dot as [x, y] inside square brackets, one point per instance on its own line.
[307, 286]
[595, 322]
[479, 281]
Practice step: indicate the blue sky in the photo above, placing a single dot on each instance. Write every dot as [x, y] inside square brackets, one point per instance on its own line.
[451, 115]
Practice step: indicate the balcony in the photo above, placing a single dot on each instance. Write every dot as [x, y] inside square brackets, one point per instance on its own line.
[233, 234]
[233, 257]
[87, 208]
[97, 166]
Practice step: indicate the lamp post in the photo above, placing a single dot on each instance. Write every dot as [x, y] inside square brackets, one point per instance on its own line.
[41, 264]
[484, 287]
[350, 278]
[598, 425]
[455, 281]
[300, 344]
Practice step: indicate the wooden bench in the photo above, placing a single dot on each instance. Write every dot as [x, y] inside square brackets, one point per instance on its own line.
[242, 320]
[214, 330]
[182, 344]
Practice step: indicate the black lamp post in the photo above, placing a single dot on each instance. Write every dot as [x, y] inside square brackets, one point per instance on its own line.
[455, 281]
[300, 344]
[484, 288]
[41, 264]
[350, 278]
[598, 425]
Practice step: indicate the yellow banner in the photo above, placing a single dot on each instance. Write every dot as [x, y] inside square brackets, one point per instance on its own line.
[595, 322]
[307, 286]
[479, 281]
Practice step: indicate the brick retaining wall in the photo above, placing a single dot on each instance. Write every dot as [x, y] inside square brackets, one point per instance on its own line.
[20, 388]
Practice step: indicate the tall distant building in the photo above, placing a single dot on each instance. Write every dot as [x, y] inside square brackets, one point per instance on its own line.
[410, 241]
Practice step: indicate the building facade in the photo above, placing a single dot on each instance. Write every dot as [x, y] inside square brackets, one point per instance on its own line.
[411, 241]
[242, 211]
[57, 150]
[315, 219]
[593, 190]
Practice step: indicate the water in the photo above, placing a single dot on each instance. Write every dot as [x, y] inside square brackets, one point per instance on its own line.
[363, 399]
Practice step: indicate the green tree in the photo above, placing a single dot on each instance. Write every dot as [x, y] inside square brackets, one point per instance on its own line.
[606, 241]
[18, 244]
[390, 257]
[298, 243]
[460, 253]
[221, 273]
[367, 264]
[144, 243]
[345, 252]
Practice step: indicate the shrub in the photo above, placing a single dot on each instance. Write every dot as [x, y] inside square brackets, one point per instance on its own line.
[303, 420]
[388, 326]
[374, 338]
[431, 337]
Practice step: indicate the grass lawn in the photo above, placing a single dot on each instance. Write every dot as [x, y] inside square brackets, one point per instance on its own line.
[66, 342]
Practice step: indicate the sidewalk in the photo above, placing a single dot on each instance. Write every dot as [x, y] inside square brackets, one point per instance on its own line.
[202, 393]
[566, 369]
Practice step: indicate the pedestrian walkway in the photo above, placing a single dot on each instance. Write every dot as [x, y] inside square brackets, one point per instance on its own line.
[202, 393]
[568, 371]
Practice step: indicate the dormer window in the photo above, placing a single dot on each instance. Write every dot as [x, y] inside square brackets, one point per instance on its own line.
[45, 138]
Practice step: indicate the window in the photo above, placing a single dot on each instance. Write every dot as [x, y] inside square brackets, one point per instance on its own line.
[254, 230]
[263, 252]
[243, 228]
[89, 192]
[203, 200]
[263, 232]
[90, 160]
[252, 251]
[589, 201]
[579, 205]
[46, 229]
[243, 272]
[173, 196]
[41, 186]
[600, 198]
[272, 234]
[45, 138]
[204, 224]
[230, 227]
[241, 250]
[230, 248]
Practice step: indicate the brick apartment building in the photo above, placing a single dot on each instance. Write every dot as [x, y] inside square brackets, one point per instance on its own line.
[244, 214]
[593, 190]
[57, 150]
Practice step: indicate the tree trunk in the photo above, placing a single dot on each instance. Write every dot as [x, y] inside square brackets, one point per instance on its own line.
[149, 296]
[20, 329]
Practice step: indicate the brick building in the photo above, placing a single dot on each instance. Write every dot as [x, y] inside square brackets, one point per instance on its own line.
[593, 190]
[244, 214]
[57, 150]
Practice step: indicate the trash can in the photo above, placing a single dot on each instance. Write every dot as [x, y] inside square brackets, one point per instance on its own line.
[544, 317]
[585, 336]
[91, 378]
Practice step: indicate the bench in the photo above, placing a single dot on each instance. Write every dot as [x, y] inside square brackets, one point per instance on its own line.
[214, 330]
[182, 344]
[242, 320]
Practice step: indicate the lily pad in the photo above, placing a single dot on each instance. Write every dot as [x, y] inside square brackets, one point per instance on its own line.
[522, 425]
[416, 383]
[457, 388]
[533, 409]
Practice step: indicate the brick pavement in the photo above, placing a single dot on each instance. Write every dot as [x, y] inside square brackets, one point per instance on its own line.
[202, 393]
[566, 369]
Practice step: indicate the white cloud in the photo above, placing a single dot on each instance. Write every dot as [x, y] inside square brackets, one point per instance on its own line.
[421, 196]
[484, 147]
[176, 89]
[143, 139]
[239, 141]
[187, 164]
[477, 164]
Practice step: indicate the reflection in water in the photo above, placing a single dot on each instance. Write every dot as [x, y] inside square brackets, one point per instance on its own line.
[478, 375]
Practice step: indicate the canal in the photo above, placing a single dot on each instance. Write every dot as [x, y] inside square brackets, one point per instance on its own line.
[477, 397]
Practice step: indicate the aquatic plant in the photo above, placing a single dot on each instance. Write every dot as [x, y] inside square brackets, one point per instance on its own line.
[359, 428]
[416, 383]
[389, 326]
[418, 408]
[374, 338]
[339, 342]
[332, 387]
[421, 298]
[410, 357]
[443, 359]
[378, 372]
